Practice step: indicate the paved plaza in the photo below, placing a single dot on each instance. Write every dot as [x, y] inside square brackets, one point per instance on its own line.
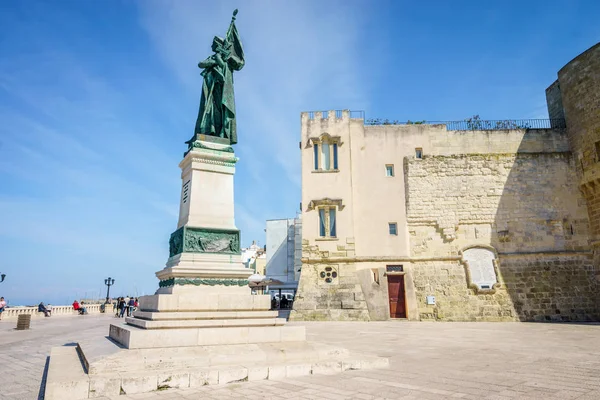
[428, 361]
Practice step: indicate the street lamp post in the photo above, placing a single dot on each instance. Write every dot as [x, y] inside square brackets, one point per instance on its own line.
[2, 276]
[108, 282]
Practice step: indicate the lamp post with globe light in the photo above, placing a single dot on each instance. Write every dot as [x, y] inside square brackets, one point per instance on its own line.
[108, 282]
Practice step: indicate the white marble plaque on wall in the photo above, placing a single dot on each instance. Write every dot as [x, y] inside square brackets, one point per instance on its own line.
[480, 262]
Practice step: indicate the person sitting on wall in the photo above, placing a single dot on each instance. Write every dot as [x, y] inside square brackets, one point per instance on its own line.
[81, 310]
[84, 310]
[2, 306]
[42, 308]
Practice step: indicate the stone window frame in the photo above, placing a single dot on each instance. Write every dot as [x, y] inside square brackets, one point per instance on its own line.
[334, 142]
[327, 203]
[327, 223]
[470, 284]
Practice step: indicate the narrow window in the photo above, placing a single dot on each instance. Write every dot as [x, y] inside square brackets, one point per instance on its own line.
[597, 151]
[389, 170]
[326, 165]
[419, 153]
[316, 156]
[393, 227]
[322, 222]
[335, 157]
[327, 222]
[332, 222]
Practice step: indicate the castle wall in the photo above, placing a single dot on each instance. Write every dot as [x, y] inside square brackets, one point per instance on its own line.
[512, 192]
[526, 206]
[579, 83]
[554, 101]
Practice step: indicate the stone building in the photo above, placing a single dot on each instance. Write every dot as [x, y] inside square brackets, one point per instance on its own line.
[468, 221]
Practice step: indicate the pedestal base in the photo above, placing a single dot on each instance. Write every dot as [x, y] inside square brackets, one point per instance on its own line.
[112, 371]
[133, 337]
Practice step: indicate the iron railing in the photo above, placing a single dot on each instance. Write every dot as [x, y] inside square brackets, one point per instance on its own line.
[482, 125]
[471, 124]
[494, 125]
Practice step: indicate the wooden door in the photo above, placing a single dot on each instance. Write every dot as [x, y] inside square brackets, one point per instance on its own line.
[397, 298]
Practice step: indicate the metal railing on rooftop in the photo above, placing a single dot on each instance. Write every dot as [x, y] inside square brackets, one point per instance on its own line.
[482, 125]
[470, 124]
[491, 125]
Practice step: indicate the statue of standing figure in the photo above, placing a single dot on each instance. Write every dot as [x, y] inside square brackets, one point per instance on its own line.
[217, 105]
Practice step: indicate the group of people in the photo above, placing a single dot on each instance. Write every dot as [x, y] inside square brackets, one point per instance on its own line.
[125, 304]
[284, 303]
[79, 307]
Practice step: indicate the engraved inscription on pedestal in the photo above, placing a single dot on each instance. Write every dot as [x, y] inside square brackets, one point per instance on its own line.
[480, 265]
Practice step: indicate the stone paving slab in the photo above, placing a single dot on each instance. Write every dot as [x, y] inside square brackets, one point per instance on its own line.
[428, 361]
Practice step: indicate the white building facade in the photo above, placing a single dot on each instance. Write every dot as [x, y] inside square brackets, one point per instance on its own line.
[284, 253]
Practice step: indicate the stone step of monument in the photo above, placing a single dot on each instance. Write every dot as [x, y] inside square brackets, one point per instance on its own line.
[203, 323]
[123, 372]
[205, 302]
[108, 358]
[134, 337]
[181, 315]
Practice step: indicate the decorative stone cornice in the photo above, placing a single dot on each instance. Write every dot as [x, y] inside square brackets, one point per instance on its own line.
[229, 163]
[325, 137]
[202, 282]
[208, 156]
[325, 202]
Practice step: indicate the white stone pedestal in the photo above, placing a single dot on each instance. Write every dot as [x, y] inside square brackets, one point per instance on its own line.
[203, 296]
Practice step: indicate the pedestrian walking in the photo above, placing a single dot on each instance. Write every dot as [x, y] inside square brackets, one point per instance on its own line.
[2, 306]
[130, 307]
[121, 307]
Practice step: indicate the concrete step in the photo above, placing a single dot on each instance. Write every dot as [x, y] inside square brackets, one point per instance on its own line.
[204, 323]
[163, 316]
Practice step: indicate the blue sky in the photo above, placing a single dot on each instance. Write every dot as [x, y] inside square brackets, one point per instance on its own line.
[98, 97]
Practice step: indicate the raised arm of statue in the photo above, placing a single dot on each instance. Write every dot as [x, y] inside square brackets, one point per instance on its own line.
[209, 62]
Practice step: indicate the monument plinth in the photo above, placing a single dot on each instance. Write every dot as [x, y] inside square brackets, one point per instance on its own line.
[203, 296]
[202, 326]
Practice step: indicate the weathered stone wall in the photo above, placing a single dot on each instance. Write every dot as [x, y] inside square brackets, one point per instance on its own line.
[533, 287]
[559, 287]
[446, 280]
[554, 101]
[329, 290]
[525, 205]
[531, 200]
[580, 92]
